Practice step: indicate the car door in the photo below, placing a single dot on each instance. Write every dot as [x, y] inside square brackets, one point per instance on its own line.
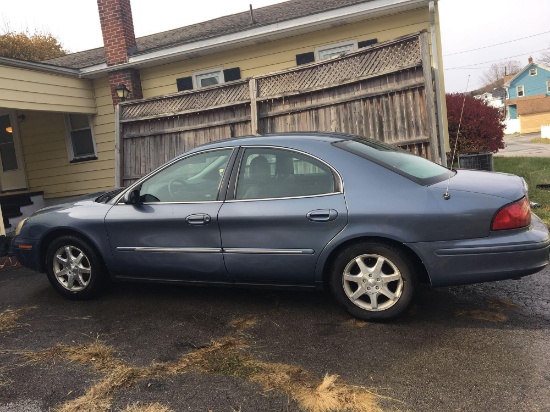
[173, 232]
[282, 209]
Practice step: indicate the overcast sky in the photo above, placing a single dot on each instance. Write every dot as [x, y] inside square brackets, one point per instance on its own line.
[465, 25]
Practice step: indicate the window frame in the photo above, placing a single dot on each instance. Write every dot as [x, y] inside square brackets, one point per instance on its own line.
[522, 91]
[221, 189]
[199, 73]
[547, 86]
[534, 69]
[73, 158]
[232, 190]
[319, 49]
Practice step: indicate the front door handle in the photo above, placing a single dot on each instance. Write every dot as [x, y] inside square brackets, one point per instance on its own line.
[322, 215]
[198, 219]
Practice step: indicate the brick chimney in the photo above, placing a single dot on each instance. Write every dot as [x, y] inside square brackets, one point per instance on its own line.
[530, 60]
[119, 42]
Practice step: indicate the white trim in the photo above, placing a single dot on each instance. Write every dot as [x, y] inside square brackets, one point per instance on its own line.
[361, 11]
[342, 44]
[43, 67]
[533, 69]
[69, 140]
[217, 70]
[18, 147]
[547, 86]
[522, 91]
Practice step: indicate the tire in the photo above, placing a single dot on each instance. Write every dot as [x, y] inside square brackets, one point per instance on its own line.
[373, 281]
[74, 269]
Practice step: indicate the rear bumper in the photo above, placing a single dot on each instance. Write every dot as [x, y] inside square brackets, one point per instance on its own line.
[502, 255]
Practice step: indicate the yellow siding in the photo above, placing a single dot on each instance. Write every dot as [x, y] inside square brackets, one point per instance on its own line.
[43, 135]
[24, 89]
[281, 54]
[531, 123]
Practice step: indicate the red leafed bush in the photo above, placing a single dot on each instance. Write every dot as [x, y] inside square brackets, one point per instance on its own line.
[482, 127]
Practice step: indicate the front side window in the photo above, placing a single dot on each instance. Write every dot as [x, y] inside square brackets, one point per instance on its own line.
[333, 50]
[207, 78]
[533, 72]
[80, 137]
[195, 178]
[520, 91]
[268, 173]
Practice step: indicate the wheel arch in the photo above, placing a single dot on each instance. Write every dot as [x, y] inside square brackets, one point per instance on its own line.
[420, 268]
[56, 233]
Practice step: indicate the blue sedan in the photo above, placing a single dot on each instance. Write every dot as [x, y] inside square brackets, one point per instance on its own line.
[362, 218]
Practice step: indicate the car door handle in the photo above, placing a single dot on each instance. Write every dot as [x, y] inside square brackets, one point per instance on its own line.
[198, 219]
[322, 215]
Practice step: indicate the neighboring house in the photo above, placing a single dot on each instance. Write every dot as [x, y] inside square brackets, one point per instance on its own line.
[57, 118]
[491, 100]
[528, 98]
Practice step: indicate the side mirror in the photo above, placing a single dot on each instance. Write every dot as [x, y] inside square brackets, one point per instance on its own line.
[132, 197]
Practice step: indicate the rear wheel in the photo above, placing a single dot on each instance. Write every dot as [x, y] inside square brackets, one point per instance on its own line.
[74, 268]
[373, 281]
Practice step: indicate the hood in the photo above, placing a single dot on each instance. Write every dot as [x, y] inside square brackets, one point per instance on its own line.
[97, 197]
[503, 185]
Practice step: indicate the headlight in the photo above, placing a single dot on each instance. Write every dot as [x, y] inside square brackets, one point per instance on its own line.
[19, 226]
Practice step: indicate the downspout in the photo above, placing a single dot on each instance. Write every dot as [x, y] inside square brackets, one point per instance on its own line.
[435, 67]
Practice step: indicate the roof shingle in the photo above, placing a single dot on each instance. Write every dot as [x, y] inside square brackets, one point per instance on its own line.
[233, 23]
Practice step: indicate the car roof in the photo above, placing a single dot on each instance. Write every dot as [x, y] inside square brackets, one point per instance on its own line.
[277, 138]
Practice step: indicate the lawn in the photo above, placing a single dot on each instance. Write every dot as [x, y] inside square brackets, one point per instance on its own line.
[535, 171]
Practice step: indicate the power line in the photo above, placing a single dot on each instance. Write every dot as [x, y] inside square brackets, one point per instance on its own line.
[496, 44]
[496, 60]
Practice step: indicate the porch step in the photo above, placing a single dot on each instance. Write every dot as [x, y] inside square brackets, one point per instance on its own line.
[11, 206]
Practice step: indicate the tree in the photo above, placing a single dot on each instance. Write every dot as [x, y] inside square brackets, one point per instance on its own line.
[35, 46]
[545, 57]
[494, 76]
[482, 126]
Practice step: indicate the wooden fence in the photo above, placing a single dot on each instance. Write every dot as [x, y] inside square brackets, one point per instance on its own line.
[384, 92]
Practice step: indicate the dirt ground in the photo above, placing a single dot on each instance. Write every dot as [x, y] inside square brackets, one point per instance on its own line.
[162, 348]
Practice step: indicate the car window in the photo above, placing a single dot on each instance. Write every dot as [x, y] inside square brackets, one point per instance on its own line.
[274, 173]
[193, 179]
[405, 163]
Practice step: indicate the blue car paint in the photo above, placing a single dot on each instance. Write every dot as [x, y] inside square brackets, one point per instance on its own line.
[376, 202]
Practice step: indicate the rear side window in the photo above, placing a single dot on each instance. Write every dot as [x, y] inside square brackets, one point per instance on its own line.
[267, 173]
[400, 161]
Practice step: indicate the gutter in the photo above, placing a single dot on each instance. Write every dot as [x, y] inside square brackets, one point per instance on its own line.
[49, 68]
[308, 23]
[435, 67]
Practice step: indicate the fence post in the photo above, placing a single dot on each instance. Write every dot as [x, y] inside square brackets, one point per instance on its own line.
[118, 149]
[430, 96]
[253, 107]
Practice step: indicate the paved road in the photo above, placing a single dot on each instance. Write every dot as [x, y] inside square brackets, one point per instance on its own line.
[471, 348]
[517, 146]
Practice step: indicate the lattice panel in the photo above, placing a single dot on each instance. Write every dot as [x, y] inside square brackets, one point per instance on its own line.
[195, 100]
[358, 64]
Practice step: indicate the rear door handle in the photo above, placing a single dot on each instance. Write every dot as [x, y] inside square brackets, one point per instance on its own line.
[198, 219]
[322, 215]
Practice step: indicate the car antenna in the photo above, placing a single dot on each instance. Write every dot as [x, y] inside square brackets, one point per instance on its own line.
[447, 196]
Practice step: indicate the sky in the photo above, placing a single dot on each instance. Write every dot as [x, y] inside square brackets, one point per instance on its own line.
[465, 25]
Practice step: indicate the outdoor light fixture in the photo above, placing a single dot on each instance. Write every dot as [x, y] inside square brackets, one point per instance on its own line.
[122, 92]
[9, 129]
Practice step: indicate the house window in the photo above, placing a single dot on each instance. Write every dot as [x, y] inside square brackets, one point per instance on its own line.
[533, 72]
[333, 50]
[80, 137]
[209, 77]
[548, 86]
[520, 91]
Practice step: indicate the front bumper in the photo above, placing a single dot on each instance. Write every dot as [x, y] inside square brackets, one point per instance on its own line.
[502, 255]
[27, 252]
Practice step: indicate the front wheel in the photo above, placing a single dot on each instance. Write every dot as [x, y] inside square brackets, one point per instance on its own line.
[373, 281]
[74, 269]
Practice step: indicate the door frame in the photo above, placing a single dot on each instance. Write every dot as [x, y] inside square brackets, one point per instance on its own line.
[21, 167]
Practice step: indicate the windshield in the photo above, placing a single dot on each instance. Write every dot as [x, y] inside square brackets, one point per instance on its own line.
[400, 161]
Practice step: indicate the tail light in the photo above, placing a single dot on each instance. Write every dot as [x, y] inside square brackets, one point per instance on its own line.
[513, 215]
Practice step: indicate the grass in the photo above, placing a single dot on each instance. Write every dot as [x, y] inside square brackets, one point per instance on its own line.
[224, 356]
[542, 140]
[535, 170]
[8, 318]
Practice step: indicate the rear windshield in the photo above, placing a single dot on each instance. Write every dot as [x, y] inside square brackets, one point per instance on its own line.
[400, 161]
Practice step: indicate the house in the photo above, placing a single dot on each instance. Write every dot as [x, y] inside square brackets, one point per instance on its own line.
[528, 99]
[58, 126]
[491, 99]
